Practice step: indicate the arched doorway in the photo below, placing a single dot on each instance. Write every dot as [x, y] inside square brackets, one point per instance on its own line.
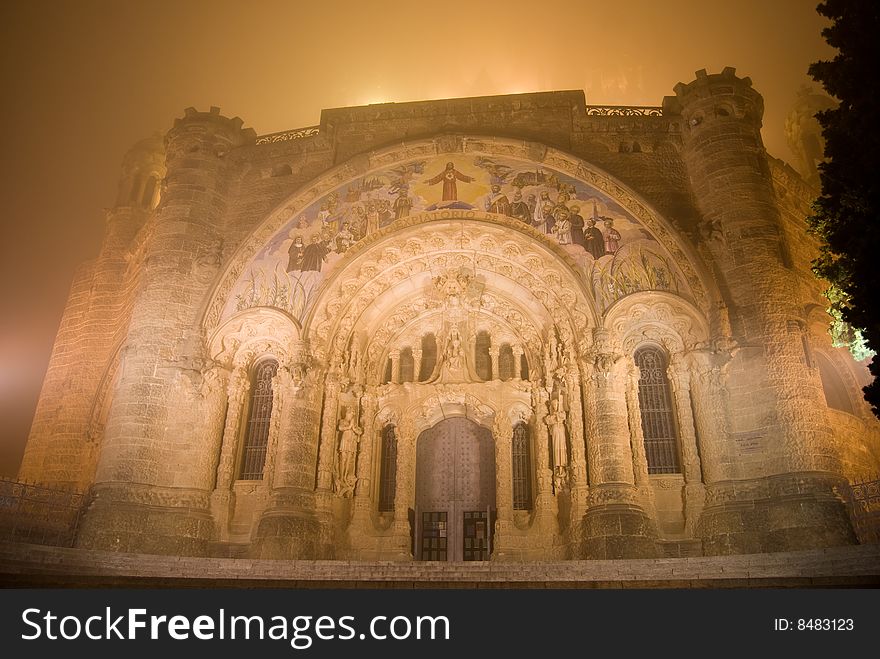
[455, 492]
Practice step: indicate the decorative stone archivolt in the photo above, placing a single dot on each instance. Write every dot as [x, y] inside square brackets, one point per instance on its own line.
[541, 279]
[660, 318]
[251, 334]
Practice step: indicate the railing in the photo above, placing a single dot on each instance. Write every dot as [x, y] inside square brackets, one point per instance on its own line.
[39, 515]
[592, 111]
[862, 500]
[287, 135]
[624, 111]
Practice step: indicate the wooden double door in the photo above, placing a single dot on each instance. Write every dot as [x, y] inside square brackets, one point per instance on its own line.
[455, 492]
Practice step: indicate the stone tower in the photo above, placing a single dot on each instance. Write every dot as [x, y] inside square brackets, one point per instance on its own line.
[775, 398]
[804, 134]
[160, 365]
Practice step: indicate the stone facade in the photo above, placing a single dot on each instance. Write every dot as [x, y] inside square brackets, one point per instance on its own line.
[597, 326]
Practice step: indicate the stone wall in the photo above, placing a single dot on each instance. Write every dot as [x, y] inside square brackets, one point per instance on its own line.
[145, 398]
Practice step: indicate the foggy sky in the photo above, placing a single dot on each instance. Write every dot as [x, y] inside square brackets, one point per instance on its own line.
[82, 81]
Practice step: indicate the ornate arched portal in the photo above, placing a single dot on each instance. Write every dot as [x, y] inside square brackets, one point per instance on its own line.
[439, 273]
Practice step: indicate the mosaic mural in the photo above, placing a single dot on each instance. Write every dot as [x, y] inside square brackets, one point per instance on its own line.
[618, 255]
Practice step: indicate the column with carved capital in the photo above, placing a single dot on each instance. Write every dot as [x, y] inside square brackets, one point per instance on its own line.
[405, 494]
[395, 365]
[694, 489]
[289, 528]
[362, 504]
[502, 432]
[417, 363]
[616, 524]
[493, 357]
[546, 506]
[221, 498]
[578, 468]
[327, 449]
[640, 459]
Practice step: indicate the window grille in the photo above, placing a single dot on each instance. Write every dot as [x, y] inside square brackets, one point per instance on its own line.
[655, 404]
[257, 436]
[505, 362]
[388, 470]
[482, 360]
[522, 476]
[407, 365]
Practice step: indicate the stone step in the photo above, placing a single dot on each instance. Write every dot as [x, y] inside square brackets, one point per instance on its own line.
[681, 548]
[41, 565]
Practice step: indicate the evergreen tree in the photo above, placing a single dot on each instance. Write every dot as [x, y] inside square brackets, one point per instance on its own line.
[846, 213]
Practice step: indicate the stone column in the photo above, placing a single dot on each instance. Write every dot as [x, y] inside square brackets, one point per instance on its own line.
[640, 459]
[289, 528]
[546, 506]
[417, 363]
[694, 489]
[502, 432]
[280, 389]
[616, 524]
[405, 495]
[493, 357]
[223, 497]
[327, 449]
[517, 361]
[395, 366]
[237, 390]
[362, 504]
[578, 468]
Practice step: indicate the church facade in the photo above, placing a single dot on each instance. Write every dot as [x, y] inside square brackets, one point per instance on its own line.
[510, 328]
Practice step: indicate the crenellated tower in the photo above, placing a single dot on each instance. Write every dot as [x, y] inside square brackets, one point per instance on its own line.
[162, 396]
[776, 482]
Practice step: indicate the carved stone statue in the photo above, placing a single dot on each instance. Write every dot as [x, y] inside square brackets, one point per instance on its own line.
[454, 363]
[349, 438]
[559, 455]
[354, 362]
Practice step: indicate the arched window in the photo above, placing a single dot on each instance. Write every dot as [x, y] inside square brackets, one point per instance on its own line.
[655, 404]
[429, 356]
[522, 471]
[407, 366]
[260, 414]
[524, 367]
[836, 396]
[388, 470]
[386, 377]
[482, 360]
[505, 362]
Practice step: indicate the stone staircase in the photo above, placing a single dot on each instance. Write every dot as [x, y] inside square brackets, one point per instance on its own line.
[33, 565]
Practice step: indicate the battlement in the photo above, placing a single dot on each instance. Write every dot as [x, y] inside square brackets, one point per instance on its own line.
[210, 126]
[720, 95]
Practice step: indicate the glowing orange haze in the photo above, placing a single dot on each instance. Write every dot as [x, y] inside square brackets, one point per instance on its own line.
[83, 81]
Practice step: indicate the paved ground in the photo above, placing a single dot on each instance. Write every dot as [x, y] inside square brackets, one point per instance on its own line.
[35, 565]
